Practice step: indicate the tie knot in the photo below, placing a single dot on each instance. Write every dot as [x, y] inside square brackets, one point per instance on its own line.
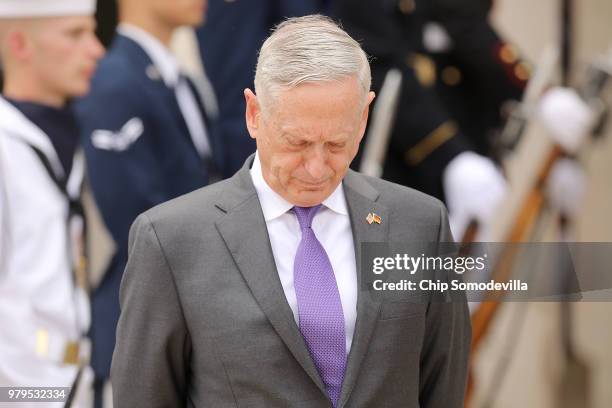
[305, 215]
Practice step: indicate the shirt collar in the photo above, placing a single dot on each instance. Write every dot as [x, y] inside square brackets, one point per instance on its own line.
[160, 55]
[273, 205]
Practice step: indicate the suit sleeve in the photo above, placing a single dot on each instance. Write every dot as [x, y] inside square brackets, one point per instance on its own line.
[444, 361]
[119, 140]
[150, 361]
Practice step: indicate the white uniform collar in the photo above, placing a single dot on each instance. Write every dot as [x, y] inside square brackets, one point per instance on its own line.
[162, 57]
[273, 205]
[16, 124]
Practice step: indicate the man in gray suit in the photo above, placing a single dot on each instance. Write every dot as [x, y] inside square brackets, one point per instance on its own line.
[245, 293]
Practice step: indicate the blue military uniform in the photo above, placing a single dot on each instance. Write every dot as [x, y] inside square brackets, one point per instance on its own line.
[140, 153]
[478, 73]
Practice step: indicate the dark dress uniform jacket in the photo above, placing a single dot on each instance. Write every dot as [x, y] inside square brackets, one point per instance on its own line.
[139, 154]
[435, 120]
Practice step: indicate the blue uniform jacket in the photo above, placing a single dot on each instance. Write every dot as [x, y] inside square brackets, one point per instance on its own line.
[139, 154]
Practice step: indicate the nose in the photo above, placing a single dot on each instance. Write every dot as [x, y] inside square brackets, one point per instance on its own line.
[316, 164]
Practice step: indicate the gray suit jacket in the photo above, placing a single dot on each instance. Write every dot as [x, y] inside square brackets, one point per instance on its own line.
[205, 322]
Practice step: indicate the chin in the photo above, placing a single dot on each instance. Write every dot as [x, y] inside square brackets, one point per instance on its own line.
[79, 87]
[310, 199]
[79, 92]
[195, 19]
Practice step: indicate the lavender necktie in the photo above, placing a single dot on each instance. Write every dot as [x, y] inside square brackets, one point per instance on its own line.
[319, 307]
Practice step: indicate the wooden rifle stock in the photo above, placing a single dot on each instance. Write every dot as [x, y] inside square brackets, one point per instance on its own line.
[527, 216]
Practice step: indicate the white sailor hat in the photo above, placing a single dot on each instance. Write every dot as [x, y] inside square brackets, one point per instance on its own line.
[46, 8]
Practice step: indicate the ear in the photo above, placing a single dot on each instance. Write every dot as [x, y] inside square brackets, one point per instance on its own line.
[365, 114]
[18, 44]
[253, 112]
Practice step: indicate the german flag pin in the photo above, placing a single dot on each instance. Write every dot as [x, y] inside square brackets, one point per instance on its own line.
[373, 218]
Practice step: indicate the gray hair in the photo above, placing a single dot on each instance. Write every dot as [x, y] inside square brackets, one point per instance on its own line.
[306, 50]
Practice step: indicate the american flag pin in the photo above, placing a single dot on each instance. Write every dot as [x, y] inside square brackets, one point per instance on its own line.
[373, 217]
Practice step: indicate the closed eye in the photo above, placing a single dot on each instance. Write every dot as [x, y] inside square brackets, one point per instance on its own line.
[337, 145]
[77, 32]
[297, 143]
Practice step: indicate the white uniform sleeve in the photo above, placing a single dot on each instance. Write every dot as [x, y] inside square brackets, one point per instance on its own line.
[3, 216]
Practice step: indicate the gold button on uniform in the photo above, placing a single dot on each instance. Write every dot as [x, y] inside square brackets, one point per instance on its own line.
[508, 54]
[424, 69]
[407, 6]
[451, 76]
[522, 71]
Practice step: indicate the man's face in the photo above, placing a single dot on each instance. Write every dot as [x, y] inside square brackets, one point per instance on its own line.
[64, 54]
[308, 137]
[180, 12]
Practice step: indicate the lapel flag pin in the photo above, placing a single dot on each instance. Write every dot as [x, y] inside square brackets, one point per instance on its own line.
[373, 217]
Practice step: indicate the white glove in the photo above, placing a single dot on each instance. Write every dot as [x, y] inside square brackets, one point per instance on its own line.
[567, 117]
[474, 187]
[567, 186]
[436, 38]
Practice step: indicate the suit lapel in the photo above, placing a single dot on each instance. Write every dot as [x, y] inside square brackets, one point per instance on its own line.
[361, 199]
[253, 256]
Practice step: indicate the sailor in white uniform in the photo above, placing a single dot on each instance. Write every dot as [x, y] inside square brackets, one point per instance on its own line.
[49, 52]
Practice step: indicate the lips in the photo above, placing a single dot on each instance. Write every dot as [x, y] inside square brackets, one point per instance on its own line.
[314, 186]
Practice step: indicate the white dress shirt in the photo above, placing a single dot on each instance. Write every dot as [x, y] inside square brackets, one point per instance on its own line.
[332, 228]
[168, 69]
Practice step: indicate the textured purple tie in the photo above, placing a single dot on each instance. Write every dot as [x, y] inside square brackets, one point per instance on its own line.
[319, 306]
